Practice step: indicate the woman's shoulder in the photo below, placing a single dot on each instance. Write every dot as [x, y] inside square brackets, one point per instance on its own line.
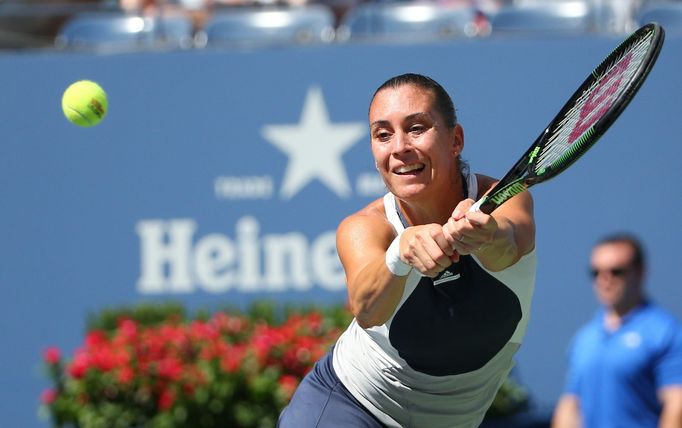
[373, 215]
[373, 211]
[366, 228]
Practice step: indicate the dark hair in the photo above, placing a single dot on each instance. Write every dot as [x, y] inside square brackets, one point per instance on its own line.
[443, 101]
[638, 256]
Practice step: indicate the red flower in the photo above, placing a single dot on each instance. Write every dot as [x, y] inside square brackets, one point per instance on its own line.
[163, 365]
[80, 364]
[166, 399]
[172, 334]
[314, 321]
[48, 396]
[52, 355]
[203, 331]
[170, 368]
[104, 358]
[125, 375]
[95, 338]
[215, 349]
[188, 389]
[232, 360]
[127, 332]
[265, 338]
[288, 384]
[229, 323]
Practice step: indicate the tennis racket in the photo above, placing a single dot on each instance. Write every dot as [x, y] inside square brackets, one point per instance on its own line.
[584, 118]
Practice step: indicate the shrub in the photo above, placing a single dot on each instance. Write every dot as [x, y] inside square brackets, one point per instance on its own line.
[152, 366]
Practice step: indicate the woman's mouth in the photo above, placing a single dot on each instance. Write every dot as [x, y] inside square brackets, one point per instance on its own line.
[411, 169]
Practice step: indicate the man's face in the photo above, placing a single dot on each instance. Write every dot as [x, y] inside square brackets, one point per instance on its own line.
[617, 282]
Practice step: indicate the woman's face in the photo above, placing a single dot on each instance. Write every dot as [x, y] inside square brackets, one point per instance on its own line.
[415, 152]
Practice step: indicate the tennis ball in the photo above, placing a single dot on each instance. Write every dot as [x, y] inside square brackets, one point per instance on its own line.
[84, 103]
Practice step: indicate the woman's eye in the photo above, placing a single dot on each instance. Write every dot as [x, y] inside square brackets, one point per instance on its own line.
[417, 129]
[382, 136]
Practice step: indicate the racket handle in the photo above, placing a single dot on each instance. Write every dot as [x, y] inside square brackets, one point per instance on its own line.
[483, 205]
[477, 206]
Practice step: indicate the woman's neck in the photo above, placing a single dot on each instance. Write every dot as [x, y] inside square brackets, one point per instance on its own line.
[434, 208]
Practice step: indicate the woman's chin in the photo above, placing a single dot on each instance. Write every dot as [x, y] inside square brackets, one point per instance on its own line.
[408, 191]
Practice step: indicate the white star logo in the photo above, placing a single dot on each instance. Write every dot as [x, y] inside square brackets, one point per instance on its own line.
[315, 147]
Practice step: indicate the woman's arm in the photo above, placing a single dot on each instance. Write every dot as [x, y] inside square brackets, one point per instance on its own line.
[373, 290]
[498, 240]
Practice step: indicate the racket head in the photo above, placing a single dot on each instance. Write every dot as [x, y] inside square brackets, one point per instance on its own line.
[585, 117]
[597, 103]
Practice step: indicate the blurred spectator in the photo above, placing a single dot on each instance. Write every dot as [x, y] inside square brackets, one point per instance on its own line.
[616, 16]
[142, 7]
[34, 23]
[488, 7]
[484, 10]
[625, 366]
[197, 11]
[160, 7]
[611, 16]
[338, 7]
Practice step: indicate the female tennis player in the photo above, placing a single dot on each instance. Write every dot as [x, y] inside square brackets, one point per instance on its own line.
[441, 296]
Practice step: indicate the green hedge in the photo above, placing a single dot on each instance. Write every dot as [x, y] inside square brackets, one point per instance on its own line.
[158, 366]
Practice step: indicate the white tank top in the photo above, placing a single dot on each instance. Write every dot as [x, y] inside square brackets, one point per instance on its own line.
[447, 348]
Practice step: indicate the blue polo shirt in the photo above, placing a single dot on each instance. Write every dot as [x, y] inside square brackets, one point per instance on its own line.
[616, 375]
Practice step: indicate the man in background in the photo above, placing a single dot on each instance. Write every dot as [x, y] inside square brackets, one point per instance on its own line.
[625, 365]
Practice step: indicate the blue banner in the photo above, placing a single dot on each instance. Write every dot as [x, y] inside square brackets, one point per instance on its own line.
[219, 178]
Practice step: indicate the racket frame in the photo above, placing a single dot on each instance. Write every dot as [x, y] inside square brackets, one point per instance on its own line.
[522, 175]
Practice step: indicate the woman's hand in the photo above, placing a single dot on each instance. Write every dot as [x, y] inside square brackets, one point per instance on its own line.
[469, 232]
[427, 249]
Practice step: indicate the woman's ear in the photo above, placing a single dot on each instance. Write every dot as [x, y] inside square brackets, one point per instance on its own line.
[458, 140]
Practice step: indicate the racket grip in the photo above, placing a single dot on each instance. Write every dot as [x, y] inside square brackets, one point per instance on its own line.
[483, 205]
[477, 206]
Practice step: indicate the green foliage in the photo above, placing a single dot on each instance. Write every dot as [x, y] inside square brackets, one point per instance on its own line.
[155, 366]
[147, 314]
[511, 398]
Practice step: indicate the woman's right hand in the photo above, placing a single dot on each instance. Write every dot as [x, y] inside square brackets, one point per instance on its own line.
[426, 248]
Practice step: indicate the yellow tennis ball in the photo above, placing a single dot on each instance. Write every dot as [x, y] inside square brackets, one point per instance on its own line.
[84, 103]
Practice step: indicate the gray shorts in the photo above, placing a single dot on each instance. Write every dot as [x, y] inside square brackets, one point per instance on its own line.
[322, 401]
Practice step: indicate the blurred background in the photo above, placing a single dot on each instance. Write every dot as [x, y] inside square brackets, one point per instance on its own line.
[186, 194]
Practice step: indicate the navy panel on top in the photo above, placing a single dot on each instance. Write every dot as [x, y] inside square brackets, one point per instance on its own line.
[457, 322]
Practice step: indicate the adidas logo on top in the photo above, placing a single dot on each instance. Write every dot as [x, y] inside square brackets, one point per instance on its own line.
[446, 276]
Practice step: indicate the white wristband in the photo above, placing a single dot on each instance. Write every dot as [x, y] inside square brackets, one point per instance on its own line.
[393, 261]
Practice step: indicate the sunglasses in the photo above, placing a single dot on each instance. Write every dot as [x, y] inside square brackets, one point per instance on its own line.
[616, 272]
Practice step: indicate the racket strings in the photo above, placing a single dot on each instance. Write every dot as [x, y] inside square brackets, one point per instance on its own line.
[576, 128]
